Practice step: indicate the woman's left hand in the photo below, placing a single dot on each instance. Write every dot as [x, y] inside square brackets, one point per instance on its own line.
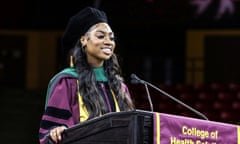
[56, 133]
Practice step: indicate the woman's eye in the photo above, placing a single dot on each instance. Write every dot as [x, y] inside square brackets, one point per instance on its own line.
[112, 38]
[100, 36]
[103, 37]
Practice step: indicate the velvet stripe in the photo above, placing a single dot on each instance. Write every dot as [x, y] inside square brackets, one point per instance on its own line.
[58, 113]
[46, 124]
[42, 135]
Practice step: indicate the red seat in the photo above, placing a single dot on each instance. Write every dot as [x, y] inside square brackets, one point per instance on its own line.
[234, 87]
[170, 89]
[238, 96]
[200, 106]
[218, 87]
[236, 106]
[183, 88]
[206, 97]
[187, 97]
[201, 88]
[222, 106]
[212, 115]
[165, 107]
[225, 96]
[229, 117]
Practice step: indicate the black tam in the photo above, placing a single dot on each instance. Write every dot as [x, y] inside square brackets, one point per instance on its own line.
[79, 24]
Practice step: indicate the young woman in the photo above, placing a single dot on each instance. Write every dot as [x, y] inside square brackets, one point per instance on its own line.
[92, 85]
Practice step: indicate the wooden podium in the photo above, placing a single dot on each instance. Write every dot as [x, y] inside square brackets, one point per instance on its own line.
[133, 127]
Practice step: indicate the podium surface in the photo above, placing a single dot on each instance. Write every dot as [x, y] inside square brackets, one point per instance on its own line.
[133, 127]
[144, 127]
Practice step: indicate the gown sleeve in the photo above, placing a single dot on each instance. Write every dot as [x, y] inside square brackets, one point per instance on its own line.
[61, 108]
[126, 90]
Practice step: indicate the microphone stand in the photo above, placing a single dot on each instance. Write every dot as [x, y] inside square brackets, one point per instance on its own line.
[178, 101]
[148, 96]
[133, 76]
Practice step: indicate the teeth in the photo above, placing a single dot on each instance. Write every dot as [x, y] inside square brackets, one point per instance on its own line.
[107, 50]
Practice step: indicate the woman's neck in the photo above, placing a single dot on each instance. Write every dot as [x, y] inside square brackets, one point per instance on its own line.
[95, 62]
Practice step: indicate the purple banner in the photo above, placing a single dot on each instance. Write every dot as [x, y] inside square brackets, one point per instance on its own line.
[172, 129]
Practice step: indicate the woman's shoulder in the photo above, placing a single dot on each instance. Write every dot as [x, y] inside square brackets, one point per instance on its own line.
[61, 81]
[65, 73]
[68, 72]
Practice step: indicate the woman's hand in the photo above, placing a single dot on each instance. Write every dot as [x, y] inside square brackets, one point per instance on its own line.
[56, 133]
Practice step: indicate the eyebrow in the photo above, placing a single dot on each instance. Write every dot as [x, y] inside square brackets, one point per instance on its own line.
[101, 31]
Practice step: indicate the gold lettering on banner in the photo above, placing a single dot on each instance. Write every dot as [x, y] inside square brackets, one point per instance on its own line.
[214, 134]
[195, 132]
[174, 140]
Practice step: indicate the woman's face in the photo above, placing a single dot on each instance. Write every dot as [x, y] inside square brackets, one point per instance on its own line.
[99, 44]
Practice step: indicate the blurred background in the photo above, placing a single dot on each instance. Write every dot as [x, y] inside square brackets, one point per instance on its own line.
[189, 48]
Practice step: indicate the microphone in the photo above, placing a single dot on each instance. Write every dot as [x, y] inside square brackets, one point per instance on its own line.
[136, 80]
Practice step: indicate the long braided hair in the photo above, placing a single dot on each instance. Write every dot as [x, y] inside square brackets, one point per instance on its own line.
[88, 87]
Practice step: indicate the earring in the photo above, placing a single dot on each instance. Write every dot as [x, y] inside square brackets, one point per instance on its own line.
[71, 61]
[83, 48]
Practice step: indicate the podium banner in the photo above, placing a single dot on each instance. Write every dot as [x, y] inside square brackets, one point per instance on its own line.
[172, 129]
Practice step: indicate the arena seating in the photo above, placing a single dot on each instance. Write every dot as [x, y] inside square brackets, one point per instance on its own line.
[218, 101]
